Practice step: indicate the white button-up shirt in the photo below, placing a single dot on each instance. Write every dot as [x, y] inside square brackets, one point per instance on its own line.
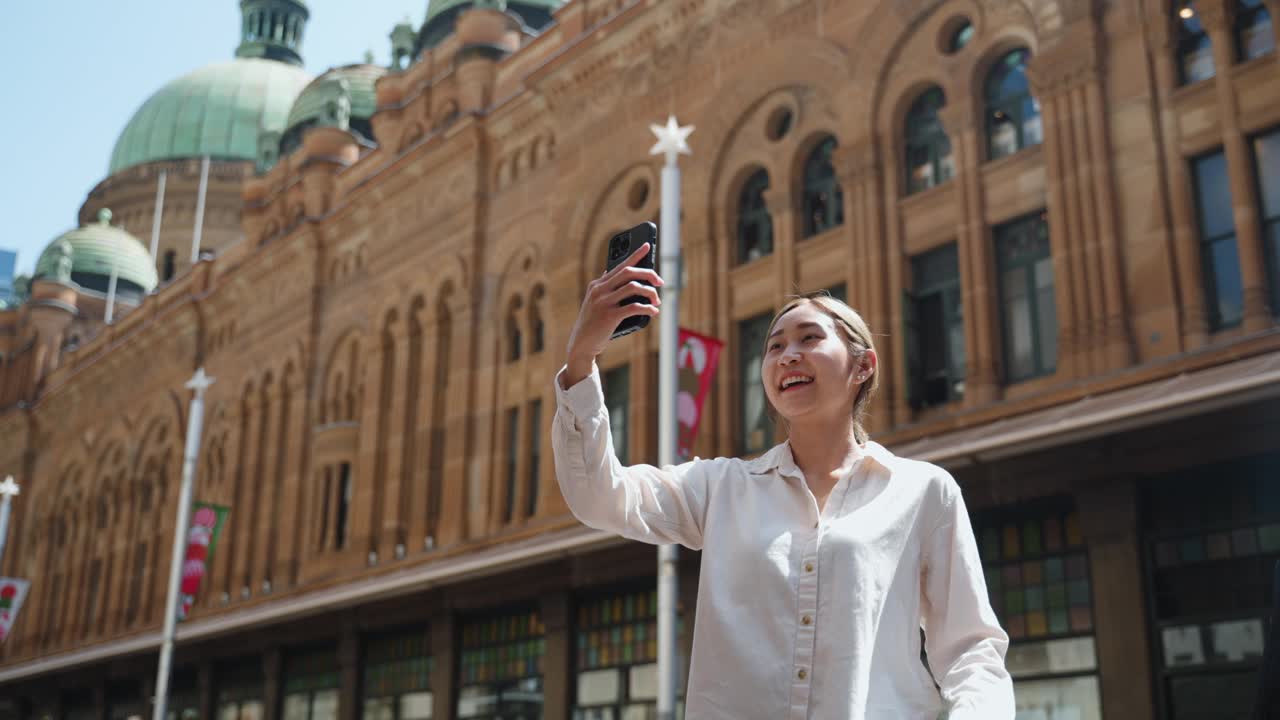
[805, 615]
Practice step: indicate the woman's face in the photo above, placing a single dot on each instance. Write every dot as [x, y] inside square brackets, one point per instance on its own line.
[808, 372]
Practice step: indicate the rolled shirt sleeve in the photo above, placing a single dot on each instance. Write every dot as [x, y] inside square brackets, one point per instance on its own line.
[964, 641]
[641, 502]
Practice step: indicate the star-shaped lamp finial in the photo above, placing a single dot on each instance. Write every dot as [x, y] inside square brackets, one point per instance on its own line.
[8, 488]
[199, 382]
[671, 139]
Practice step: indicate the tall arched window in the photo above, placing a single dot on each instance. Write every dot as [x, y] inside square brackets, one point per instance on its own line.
[929, 160]
[1013, 115]
[170, 260]
[822, 200]
[755, 227]
[1195, 55]
[1254, 36]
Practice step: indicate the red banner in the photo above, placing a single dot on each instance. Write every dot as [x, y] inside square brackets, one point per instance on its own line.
[696, 362]
[202, 537]
[12, 592]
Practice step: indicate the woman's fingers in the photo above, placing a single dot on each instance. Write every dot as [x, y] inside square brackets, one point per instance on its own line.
[631, 289]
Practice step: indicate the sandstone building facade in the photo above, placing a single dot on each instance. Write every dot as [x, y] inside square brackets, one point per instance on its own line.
[1061, 217]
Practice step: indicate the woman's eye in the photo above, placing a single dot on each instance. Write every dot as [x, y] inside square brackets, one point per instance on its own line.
[809, 337]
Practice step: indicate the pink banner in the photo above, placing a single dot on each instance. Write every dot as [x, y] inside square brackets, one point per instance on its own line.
[12, 592]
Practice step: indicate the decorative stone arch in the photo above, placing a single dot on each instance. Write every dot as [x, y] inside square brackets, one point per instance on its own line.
[342, 386]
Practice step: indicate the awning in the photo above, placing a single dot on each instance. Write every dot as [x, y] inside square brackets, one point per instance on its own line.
[1190, 393]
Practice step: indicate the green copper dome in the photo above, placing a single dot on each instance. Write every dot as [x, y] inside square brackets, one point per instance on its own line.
[94, 250]
[314, 105]
[218, 110]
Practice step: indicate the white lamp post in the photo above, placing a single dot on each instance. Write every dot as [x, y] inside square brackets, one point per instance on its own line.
[671, 143]
[8, 489]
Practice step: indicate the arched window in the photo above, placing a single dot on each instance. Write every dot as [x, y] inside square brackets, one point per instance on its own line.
[1195, 55]
[929, 160]
[170, 260]
[515, 338]
[822, 200]
[537, 325]
[755, 227]
[1013, 115]
[1254, 36]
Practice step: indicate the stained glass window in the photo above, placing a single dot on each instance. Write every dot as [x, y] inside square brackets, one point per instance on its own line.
[1211, 550]
[1195, 54]
[928, 149]
[755, 225]
[823, 202]
[397, 676]
[1037, 572]
[1012, 113]
[311, 685]
[500, 672]
[616, 656]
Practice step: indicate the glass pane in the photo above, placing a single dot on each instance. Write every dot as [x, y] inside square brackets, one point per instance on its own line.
[1197, 60]
[1237, 640]
[1266, 150]
[1077, 698]
[617, 398]
[297, 707]
[1032, 132]
[379, 709]
[324, 705]
[600, 686]
[417, 706]
[1224, 263]
[1257, 38]
[1002, 135]
[643, 682]
[757, 427]
[1182, 646]
[1221, 695]
[1051, 657]
[1018, 334]
[1213, 196]
[251, 710]
[1046, 315]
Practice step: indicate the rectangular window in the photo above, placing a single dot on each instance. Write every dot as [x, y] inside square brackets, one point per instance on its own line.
[756, 426]
[535, 457]
[1210, 553]
[240, 690]
[513, 464]
[839, 292]
[1029, 316]
[1219, 258]
[1266, 155]
[617, 398]
[311, 685]
[935, 351]
[616, 656]
[397, 676]
[500, 671]
[343, 506]
[1037, 572]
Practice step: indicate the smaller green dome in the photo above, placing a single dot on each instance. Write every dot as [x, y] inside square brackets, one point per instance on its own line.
[94, 249]
[314, 104]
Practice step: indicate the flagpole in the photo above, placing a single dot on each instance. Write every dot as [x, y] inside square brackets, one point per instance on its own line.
[195, 419]
[8, 489]
[671, 143]
[157, 215]
[204, 189]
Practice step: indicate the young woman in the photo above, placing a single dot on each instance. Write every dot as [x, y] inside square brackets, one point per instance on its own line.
[822, 559]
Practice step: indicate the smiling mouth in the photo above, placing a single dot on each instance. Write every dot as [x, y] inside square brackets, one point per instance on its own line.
[794, 382]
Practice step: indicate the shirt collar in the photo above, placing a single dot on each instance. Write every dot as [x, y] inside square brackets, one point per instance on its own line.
[780, 459]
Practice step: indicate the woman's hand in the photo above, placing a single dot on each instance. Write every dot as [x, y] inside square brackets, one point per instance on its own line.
[602, 310]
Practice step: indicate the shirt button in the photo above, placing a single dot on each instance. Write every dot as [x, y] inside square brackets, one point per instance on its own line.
[802, 674]
[806, 620]
[808, 567]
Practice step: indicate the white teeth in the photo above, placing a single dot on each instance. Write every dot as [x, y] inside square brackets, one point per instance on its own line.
[794, 380]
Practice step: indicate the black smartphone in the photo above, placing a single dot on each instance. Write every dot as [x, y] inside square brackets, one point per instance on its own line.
[620, 248]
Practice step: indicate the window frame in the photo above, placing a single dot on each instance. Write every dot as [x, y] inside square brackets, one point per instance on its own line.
[617, 381]
[1013, 105]
[1268, 224]
[1000, 234]
[754, 219]
[389, 652]
[509, 614]
[818, 181]
[1190, 41]
[922, 130]
[511, 461]
[950, 297]
[751, 355]
[1248, 15]
[1209, 271]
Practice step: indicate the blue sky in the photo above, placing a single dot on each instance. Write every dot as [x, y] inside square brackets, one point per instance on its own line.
[78, 69]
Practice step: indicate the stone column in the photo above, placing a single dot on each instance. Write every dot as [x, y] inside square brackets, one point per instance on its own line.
[290, 523]
[239, 547]
[424, 478]
[557, 665]
[272, 684]
[260, 513]
[778, 199]
[977, 262]
[362, 536]
[348, 673]
[393, 427]
[205, 688]
[1109, 519]
[454, 521]
[443, 673]
[1183, 230]
[1218, 17]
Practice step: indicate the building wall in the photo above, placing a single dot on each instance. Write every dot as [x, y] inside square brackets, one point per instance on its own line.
[366, 327]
